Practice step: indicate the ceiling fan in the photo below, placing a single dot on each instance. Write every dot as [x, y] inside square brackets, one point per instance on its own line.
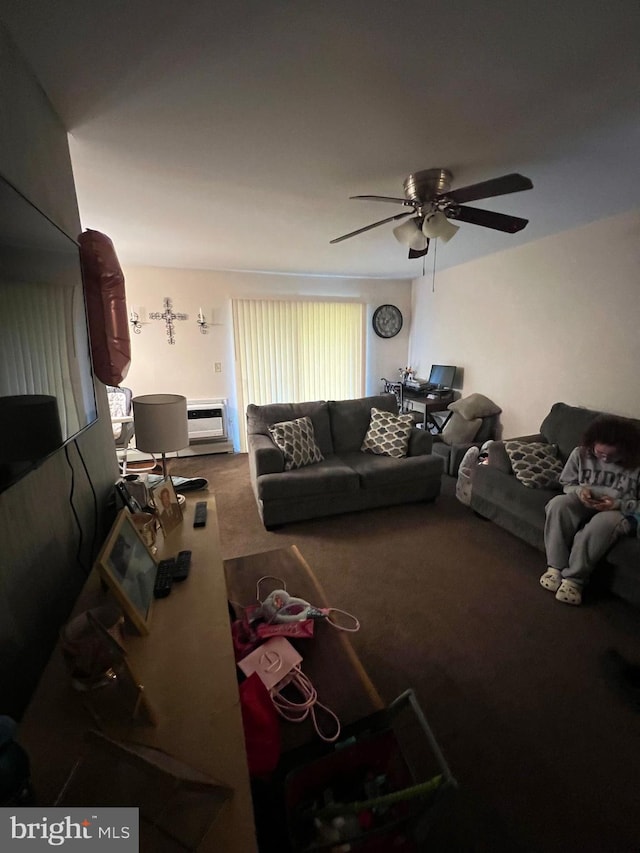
[433, 204]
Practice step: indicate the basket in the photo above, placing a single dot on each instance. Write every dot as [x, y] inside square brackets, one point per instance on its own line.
[381, 788]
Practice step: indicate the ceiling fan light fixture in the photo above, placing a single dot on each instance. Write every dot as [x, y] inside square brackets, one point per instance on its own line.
[410, 234]
[437, 225]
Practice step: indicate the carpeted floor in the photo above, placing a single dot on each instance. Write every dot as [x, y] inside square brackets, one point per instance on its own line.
[546, 753]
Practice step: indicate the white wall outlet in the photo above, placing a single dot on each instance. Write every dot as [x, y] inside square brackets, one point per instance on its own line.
[218, 367]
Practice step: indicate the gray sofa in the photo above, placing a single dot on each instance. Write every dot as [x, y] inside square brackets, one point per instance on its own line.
[499, 496]
[347, 479]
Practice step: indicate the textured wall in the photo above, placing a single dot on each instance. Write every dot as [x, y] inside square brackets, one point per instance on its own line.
[555, 320]
[188, 367]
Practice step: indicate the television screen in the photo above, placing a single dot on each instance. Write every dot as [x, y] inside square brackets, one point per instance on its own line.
[442, 375]
[46, 381]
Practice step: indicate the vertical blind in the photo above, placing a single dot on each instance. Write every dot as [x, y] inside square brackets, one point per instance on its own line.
[296, 351]
[37, 350]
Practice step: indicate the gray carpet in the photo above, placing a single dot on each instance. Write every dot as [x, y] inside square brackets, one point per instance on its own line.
[546, 753]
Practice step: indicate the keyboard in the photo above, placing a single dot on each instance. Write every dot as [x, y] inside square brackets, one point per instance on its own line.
[422, 389]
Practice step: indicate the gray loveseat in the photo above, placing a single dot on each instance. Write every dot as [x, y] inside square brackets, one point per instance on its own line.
[499, 496]
[347, 479]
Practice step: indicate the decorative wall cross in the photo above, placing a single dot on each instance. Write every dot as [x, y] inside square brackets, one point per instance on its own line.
[168, 315]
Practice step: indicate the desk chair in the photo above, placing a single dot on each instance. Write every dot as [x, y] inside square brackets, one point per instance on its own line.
[397, 388]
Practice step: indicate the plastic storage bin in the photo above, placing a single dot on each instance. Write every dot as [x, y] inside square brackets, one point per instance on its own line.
[381, 788]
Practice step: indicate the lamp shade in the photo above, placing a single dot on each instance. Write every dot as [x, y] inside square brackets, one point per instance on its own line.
[29, 427]
[409, 234]
[437, 225]
[160, 422]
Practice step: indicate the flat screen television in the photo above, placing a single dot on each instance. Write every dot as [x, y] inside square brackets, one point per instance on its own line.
[442, 375]
[46, 381]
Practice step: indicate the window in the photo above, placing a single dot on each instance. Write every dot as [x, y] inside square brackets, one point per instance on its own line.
[298, 351]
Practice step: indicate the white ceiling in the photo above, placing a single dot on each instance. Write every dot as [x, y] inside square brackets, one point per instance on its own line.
[229, 134]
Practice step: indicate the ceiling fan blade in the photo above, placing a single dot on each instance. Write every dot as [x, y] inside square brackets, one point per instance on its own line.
[486, 218]
[513, 183]
[383, 198]
[369, 227]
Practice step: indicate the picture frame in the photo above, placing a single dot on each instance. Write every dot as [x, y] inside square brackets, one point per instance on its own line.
[123, 698]
[126, 498]
[129, 569]
[167, 506]
[178, 804]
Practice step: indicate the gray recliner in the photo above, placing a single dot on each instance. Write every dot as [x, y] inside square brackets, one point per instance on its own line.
[453, 453]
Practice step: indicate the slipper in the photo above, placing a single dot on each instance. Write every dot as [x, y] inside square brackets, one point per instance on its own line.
[190, 484]
[183, 484]
[569, 592]
[551, 579]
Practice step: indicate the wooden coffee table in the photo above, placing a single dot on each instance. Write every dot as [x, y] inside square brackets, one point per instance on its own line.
[328, 658]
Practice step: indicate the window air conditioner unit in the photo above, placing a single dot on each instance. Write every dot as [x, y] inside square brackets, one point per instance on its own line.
[207, 420]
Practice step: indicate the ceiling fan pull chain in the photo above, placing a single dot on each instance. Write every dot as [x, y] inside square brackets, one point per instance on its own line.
[433, 275]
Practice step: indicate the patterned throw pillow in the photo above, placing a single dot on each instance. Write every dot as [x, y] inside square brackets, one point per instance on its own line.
[297, 440]
[388, 434]
[534, 463]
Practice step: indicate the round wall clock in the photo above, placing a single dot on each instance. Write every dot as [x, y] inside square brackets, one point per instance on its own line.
[387, 321]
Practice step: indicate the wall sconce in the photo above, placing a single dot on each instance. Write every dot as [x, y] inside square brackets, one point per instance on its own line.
[134, 319]
[202, 322]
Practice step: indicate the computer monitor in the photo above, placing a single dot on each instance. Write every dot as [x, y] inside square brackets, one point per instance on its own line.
[442, 375]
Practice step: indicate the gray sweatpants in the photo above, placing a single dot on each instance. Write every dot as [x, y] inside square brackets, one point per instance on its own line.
[577, 537]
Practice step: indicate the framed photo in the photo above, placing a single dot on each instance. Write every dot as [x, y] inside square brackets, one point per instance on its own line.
[166, 503]
[127, 499]
[129, 570]
[124, 696]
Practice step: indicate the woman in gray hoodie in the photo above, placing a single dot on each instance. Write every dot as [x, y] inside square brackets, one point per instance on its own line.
[601, 483]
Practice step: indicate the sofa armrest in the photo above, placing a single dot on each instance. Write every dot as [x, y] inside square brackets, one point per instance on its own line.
[497, 456]
[536, 437]
[420, 442]
[264, 456]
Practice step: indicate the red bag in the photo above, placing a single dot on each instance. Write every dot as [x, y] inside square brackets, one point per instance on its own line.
[300, 630]
[261, 726]
[247, 635]
[244, 638]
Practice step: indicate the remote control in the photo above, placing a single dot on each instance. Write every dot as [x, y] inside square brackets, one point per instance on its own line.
[164, 578]
[200, 517]
[181, 568]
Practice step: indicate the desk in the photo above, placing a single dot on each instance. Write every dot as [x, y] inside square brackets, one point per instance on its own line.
[429, 404]
[187, 666]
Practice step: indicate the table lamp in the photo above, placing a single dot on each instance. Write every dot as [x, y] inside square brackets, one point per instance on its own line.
[161, 424]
